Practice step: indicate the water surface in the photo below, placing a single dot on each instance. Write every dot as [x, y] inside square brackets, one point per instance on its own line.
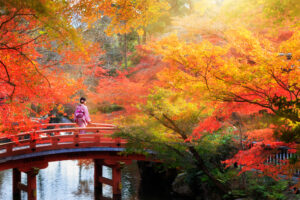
[66, 180]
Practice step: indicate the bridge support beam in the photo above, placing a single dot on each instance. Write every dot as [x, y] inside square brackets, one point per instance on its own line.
[99, 180]
[16, 181]
[116, 176]
[30, 188]
[31, 184]
[98, 172]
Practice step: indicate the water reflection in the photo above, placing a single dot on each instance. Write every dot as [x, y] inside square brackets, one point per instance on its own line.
[130, 182]
[5, 184]
[66, 180]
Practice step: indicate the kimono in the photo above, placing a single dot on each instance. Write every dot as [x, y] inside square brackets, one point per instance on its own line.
[83, 121]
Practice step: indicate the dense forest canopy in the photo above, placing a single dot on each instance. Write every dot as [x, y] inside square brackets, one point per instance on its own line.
[186, 78]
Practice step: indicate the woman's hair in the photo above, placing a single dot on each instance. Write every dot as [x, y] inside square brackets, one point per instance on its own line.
[82, 100]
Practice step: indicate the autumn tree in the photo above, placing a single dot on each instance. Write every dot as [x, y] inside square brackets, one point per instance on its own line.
[165, 123]
[125, 16]
[245, 74]
[123, 89]
[240, 72]
[30, 87]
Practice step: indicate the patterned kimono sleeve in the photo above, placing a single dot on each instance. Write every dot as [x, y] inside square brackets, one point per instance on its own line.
[86, 114]
[75, 118]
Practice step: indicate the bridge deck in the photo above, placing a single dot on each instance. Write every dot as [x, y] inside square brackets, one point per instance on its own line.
[56, 141]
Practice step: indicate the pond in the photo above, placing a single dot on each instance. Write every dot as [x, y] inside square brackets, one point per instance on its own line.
[66, 180]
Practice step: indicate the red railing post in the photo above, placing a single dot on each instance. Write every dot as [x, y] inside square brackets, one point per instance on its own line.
[9, 148]
[54, 141]
[16, 181]
[76, 138]
[97, 138]
[118, 141]
[33, 141]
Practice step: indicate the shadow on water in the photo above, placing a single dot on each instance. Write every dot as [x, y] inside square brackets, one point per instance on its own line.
[40, 185]
[67, 180]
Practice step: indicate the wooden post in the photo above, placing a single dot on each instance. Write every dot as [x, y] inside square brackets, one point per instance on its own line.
[9, 148]
[16, 181]
[97, 174]
[31, 183]
[33, 138]
[116, 177]
[97, 138]
[115, 182]
[76, 138]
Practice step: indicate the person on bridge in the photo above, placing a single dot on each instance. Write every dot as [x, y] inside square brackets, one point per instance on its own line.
[81, 115]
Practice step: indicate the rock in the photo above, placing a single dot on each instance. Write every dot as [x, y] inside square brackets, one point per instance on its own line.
[180, 186]
[154, 180]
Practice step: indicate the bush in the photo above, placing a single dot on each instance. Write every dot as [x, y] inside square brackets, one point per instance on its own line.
[267, 188]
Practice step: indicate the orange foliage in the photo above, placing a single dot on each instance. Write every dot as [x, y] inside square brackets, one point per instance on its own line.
[130, 87]
[125, 15]
[245, 75]
[28, 88]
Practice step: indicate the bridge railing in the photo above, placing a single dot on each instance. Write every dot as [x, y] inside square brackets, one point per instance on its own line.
[279, 158]
[43, 139]
[60, 125]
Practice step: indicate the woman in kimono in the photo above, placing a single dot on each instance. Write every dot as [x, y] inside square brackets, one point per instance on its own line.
[82, 116]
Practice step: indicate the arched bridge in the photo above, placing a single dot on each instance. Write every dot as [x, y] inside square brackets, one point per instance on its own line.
[30, 151]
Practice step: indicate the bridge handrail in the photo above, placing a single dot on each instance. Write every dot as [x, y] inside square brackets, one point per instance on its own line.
[39, 132]
[74, 124]
[52, 139]
[99, 126]
[67, 124]
[37, 137]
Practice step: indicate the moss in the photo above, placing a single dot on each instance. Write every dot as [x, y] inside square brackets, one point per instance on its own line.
[109, 108]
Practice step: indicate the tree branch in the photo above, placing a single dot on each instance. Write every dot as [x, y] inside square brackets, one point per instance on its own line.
[8, 81]
[6, 70]
[175, 127]
[20, 45]
[198, 160]
[281, 84]
[9, 19]
[26, 57]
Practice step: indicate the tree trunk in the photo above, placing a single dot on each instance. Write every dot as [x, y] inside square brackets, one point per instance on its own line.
[201, 166]
[125, 50]
[144, 36]
[139, 39]
[199, 161]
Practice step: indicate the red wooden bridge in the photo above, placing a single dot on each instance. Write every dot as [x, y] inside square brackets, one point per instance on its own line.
[30, 151]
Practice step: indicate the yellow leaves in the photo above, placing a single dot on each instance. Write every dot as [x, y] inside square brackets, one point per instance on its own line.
[140, 32]
[202, 6]
[292, 45]
[259, 14]
[60, 109]
[243, 41]
[128, 15]
[290, 68]
[247, 65]
[193, 65]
